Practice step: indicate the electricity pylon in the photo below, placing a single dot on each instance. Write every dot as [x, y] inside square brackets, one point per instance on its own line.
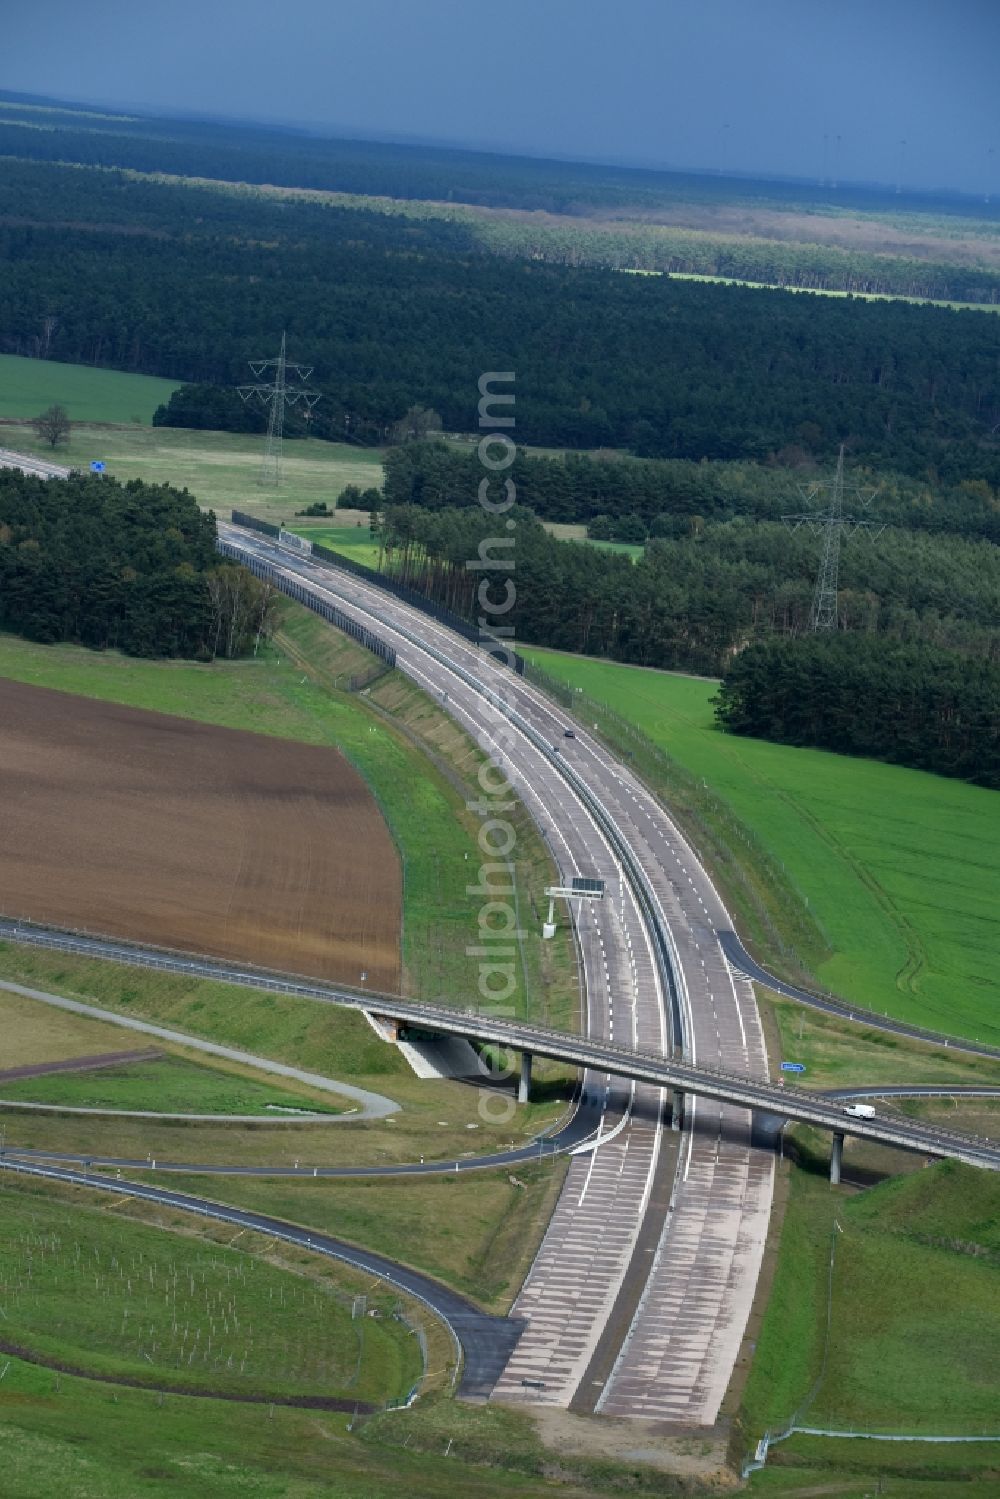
[276, 396]
[830, 524]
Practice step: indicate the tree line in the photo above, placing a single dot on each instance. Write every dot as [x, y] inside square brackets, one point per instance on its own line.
[626, 499]
[394, 312]
[131, 566]
[695, 600]
[909, 704]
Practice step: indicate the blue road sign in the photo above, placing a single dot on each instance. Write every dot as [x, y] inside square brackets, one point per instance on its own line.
[97, 467]
[793, 1067]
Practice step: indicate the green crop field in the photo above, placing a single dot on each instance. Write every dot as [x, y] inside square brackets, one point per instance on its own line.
[170, 1084]
[913, 1331]
[29, 386]
[900, 869]
[131, 1302]
[352, 541]
[219, 468]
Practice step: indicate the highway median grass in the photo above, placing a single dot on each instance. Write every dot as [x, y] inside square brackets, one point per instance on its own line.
[899, 870]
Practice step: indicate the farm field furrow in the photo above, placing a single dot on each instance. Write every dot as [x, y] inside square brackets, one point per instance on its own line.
[162, 830]
[900, 868]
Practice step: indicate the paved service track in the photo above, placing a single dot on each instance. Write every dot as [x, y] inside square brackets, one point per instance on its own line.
[656, 1249]
[485, 1341]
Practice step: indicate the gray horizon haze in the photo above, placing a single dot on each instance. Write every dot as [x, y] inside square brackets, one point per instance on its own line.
[890, 91]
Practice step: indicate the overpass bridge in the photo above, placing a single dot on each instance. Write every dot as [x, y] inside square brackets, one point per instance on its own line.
[675, 1074]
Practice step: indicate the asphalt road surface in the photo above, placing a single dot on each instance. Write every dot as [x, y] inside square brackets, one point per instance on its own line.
[39, 467]
[658, 1248]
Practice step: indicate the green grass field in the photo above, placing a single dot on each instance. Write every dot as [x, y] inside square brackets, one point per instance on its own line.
[86, 1441]
[170, 1084]
[352, 541]
[219, 468]
[29, 386]
[900, 869]
[130, 1301]
[914, 1325]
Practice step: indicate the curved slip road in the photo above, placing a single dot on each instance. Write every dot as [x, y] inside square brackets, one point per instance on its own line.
[578, 1134]
[748, 968]
[639, 1296]
[485, 1342]
[370, 1105]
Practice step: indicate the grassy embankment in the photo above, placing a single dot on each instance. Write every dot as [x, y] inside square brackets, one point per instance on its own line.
[913, 1332]
[900, 870]
[168, 1312]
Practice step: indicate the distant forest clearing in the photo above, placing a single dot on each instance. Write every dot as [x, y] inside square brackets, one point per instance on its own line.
[28, 386]
[901, 869]
[210, 840]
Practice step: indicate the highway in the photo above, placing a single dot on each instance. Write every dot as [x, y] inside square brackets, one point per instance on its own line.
[633, 1306]
[638, 1299]
[597, 1057]
[38, 467]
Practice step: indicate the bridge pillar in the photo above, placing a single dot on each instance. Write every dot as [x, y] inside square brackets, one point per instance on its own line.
[677, 1110]
[524, 1081]
[836, 1158]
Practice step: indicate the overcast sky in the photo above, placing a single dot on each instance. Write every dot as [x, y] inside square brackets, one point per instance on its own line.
[752, 85]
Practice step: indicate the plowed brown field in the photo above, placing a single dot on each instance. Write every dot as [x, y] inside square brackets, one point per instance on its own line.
[140, 825]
